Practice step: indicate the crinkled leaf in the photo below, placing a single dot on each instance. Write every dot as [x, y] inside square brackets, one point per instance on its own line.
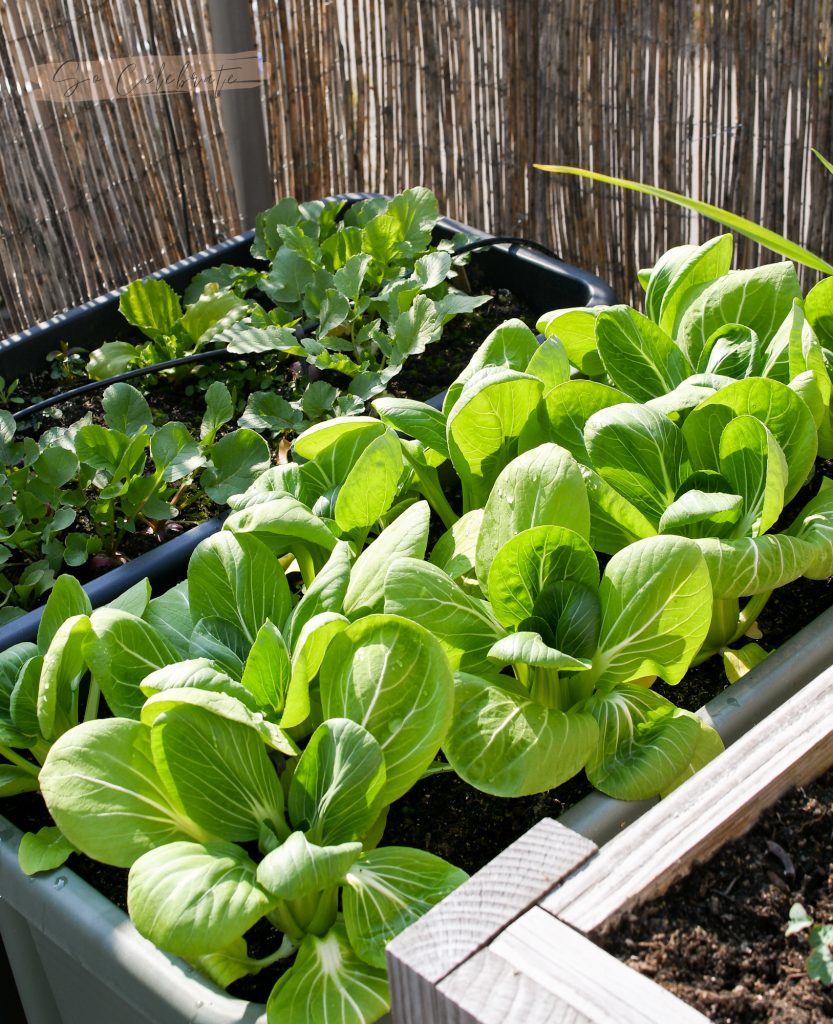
[152, 306]
[391, 676]
[193, 898]
[503, 743]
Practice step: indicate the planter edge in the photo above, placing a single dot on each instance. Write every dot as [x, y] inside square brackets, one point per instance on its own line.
[794, 676]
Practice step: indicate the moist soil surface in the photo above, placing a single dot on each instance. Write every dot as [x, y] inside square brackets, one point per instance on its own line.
[716, 939]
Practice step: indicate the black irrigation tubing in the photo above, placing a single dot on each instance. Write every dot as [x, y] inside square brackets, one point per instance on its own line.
[222, 354]
[95, 385]
[481, 243]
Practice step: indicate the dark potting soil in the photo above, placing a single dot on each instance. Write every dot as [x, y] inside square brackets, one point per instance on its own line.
[716, 939]
[432, 371]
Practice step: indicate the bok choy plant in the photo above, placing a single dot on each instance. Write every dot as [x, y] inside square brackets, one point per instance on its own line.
[256, 743]
[550, 661]
[704, 323]
[722, 478]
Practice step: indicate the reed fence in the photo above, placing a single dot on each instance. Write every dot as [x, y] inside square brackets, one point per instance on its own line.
[93, 194]
[718, 98]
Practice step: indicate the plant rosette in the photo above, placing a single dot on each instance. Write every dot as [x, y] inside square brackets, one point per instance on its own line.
[211, 774]
[353, 290]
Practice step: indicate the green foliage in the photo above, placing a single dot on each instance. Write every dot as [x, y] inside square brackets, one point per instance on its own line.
[197, 761]
[78, 491]
[368, 290]
[820, 960]
[445, 596]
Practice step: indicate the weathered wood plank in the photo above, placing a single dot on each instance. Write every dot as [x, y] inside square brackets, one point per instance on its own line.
[466, 921]
[789, 748]
[540, 971]
[488, 990]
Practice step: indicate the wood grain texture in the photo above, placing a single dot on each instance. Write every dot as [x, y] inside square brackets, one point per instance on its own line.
[467, 919]
[488, 990]
[540, 971]
[789, 748]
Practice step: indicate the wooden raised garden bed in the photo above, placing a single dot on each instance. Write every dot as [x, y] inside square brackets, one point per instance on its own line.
[513, 945]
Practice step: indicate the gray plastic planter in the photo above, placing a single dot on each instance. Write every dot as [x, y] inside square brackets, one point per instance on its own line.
[77, 959]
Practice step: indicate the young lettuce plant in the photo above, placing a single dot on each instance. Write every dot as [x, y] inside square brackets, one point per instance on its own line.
[223, 820]
[364, 282]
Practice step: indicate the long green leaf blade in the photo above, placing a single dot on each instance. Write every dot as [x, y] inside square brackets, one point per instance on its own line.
[769, 239]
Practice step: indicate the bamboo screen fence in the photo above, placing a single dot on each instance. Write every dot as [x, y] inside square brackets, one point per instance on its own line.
[718, 98]
[94, 194]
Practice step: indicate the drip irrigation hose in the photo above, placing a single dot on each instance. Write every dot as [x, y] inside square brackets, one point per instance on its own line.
[222, 354]
[211, 355]
[482, 243]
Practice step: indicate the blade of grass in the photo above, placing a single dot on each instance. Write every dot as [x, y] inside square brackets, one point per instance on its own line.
[769, 239]
[826, 162]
